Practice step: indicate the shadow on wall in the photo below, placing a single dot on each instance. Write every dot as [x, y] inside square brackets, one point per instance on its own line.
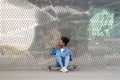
[67, 23]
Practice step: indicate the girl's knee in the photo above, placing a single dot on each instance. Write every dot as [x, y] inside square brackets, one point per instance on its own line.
[67, 54]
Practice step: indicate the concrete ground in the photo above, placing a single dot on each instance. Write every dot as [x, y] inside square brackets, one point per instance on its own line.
[55, 75]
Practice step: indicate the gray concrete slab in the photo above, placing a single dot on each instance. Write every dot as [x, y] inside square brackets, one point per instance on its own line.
[42, 75]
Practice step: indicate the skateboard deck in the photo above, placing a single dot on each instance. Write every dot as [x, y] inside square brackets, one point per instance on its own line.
[54, 68]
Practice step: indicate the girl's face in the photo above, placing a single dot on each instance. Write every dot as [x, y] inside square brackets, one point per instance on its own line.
[61, 43]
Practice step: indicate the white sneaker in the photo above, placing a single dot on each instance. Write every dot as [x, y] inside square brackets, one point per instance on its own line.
[65, 70]
[61, 70]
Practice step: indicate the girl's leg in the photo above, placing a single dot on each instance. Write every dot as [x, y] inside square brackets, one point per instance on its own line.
[59, 60]
[57, 64]
[67, 60]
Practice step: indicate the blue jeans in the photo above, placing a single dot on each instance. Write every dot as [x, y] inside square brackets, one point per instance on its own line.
[62, 61]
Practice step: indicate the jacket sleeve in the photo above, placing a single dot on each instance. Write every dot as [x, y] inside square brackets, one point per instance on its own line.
[52, 51]
[71, 56]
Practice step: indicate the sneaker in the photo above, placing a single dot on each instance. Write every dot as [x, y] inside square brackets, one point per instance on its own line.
[65, 70]
[61, 70]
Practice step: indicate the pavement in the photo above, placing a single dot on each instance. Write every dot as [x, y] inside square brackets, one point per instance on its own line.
[55, 75]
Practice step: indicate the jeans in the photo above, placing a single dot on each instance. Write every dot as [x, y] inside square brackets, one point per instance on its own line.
[62, 61]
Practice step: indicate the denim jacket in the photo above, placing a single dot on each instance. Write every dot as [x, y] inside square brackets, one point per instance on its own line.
[57, 51]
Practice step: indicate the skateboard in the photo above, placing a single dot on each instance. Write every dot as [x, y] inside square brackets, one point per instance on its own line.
[54, 68]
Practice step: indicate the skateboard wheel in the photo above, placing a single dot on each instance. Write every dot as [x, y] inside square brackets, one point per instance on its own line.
[75, 69]
[49, 69]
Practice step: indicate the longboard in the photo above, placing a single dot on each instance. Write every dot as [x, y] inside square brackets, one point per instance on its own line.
[54, 68]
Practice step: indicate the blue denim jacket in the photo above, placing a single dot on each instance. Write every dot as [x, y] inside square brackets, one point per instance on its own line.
[57, 51]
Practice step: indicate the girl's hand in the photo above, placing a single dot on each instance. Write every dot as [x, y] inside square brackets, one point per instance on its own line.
[56, 45]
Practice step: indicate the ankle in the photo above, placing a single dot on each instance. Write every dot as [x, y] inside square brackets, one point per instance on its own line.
[65, 67]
